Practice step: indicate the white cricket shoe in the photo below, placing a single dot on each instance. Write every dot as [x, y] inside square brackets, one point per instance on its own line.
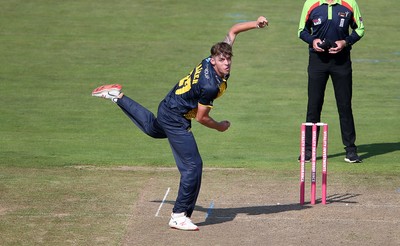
[181, 222]
[108, 91]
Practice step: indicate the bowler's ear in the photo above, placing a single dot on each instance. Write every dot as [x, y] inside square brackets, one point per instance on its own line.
[212, 61]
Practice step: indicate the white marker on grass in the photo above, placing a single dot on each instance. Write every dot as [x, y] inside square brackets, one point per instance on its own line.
[163, 201]
[209, 211]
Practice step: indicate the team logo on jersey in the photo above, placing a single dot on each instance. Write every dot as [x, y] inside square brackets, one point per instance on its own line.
[343, 14]
[317, 21]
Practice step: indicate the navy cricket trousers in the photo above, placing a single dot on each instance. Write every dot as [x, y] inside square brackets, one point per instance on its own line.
[338, 67]
[176, 128]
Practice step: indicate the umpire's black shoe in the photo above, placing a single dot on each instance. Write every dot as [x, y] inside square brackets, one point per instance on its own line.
[307, 157]
[352, 157]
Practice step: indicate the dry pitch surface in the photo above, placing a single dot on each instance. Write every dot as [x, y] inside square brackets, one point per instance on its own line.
[246, 207]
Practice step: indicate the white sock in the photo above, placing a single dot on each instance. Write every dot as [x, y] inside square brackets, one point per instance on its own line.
[177, 215]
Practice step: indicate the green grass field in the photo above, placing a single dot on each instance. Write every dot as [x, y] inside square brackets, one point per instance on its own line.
[54, 53]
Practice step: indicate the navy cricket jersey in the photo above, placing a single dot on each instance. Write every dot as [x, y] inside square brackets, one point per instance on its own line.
[331, 21]
[201, 86]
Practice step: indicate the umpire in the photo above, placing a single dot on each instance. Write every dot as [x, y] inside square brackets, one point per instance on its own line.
[325, 25]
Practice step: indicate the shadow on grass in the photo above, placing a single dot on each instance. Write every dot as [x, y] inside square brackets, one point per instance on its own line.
[369, 150]
[342, 198]
[223, 215]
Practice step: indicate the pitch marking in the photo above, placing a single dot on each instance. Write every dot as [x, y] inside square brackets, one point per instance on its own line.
[163, 201]
[209, 210]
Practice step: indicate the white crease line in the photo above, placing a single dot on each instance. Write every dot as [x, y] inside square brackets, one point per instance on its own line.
[162, 202]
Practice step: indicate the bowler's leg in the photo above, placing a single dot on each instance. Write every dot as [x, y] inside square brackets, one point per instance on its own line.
[190, 165]
[142, 117]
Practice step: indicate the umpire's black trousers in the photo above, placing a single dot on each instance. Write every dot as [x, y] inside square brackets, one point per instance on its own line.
[337, 66]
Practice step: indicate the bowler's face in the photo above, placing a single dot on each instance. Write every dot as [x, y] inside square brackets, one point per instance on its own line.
[221, 64]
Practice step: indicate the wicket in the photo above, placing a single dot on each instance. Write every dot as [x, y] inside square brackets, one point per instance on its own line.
[313, 161]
